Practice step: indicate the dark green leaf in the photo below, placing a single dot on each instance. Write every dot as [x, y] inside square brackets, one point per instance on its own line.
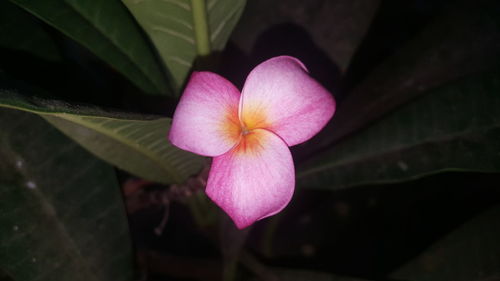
[470, 253]
[61, 213]
[171, 26]
[137, 144]
[106, 29]
[3, 276]
[302, 275]
[20, 31]
[336, 26]
[463, 41]
[456, 127]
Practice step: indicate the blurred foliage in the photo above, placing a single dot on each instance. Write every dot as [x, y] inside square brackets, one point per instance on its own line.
[15, 24]
[61, 216]
[471, 252]
[337, 27]
[454, 128]
[462, 41]
[372, 231]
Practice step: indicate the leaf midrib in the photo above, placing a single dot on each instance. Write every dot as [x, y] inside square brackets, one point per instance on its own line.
[49, 211]
[78, 119]
[97, 112]
[109, 133]
[47, 206]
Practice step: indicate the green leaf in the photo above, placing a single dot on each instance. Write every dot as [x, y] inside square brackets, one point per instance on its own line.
[107, 30]
[454, 128]
[469, 253]
[183, 29]
[20, 31]
[337, 27]
[61, 214]
[137, 144]
[463, 41]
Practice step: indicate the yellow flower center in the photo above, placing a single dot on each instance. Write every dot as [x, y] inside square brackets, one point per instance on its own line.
[241, 132]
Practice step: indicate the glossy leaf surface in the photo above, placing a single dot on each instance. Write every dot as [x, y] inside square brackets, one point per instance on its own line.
[20, 31]
[107, 30]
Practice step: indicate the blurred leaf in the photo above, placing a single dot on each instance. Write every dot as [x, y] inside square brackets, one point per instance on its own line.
[471, 252]
[61, 213]
[456, 127]
[137, 144]
[19, 31]
[336, 26]
[303, 275]
[3, 276]
[232, 242]
[106, 29]
[170, 25]
[463, 41]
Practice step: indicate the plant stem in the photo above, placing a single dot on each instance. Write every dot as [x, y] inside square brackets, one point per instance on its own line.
[201, 31]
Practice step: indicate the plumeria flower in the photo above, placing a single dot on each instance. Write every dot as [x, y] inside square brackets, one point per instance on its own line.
[252, 174]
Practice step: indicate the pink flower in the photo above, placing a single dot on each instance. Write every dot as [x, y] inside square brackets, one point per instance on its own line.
[252, 175]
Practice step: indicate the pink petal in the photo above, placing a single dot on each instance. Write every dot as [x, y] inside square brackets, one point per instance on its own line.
[206, 119]
[254, 180]
[279, 95]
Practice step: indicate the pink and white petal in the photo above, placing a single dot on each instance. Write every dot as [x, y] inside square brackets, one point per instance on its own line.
[279, 95]
[254, 180]
[206, 119]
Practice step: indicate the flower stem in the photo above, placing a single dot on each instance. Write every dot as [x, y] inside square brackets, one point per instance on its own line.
[201, 31]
